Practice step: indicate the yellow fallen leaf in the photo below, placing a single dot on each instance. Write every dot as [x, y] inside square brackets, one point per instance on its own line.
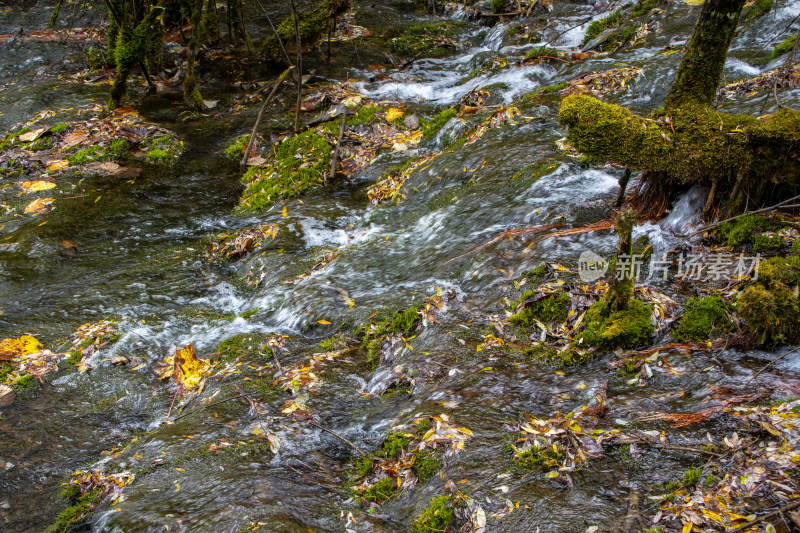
[284, 213]
[39, 206]
[352, 101]
[188, 369]
[393, 113]
[323, 322]
[36, 185]
[687, 527]
[59, 164]
[25, 345]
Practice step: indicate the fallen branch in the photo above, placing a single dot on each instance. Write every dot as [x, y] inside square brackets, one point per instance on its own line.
[770, 364]
[338, 146]
[510, 233]
[795, 504]
[747, 213]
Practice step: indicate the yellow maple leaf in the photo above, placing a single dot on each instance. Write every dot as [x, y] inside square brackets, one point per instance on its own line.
[25, 345]
[36, 185]
[188, 369]
[393, 113]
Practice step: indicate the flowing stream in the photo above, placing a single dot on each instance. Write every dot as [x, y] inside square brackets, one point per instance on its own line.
[139, 258]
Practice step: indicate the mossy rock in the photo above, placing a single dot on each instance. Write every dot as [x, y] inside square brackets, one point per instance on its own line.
[431, 127]
[437, 516]
[427, 39]
[771, 314]
[74, 517]
[749, 230]
[394, 444]
[381, 491]
[536, 459]
[234, 151]
[545, 308]
[427, 464]
[620, 329]
[387, 322]
[252, 345]
[163, 151]
[703, 319]
[287, 175]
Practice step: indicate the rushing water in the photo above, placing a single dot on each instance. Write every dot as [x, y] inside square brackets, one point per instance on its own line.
[138, 255]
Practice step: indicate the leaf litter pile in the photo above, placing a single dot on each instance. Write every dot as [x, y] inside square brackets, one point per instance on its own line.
[39, 154]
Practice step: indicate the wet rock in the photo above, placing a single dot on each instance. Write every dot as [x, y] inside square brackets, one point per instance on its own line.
[411, 122]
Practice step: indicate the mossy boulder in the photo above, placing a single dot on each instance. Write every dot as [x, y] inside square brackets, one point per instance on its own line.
[771, 307]
[608, 331]
[298, 165]
[703, 319]
[429, 39]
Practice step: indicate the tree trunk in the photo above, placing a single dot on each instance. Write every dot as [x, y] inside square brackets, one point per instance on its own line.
[701, 67]
[190, 93]
[621, 277]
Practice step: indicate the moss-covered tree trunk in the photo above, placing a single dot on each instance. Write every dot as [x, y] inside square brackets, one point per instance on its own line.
[689, 142]
[704, 58]
[621, 277]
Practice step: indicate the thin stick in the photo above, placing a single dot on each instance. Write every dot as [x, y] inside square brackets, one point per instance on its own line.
[253, 133]
[795, 504]
[770, 364]
[356, 448]
[335, 155]
[299, 65]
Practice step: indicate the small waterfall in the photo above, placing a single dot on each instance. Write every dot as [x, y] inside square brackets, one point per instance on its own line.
[494, 38]
[686, 213]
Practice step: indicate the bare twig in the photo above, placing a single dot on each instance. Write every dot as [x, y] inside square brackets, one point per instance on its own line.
[338, 146]
[771, 363]
[299, 65]
[356, 448]
[788, 507]
[193, 411]
[779, 205]
[253, 133]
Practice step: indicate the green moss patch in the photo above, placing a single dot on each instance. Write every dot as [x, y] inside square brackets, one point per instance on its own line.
[252, 345]
[298, 165]
[234, 151]
[703, 319]
[431, 127]
[74, 517]
[163, 151]
[542, 307]
[751, 230]
[387, 322]
[428, 39]
[771, 307]
[621, 329]
[437, 516]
